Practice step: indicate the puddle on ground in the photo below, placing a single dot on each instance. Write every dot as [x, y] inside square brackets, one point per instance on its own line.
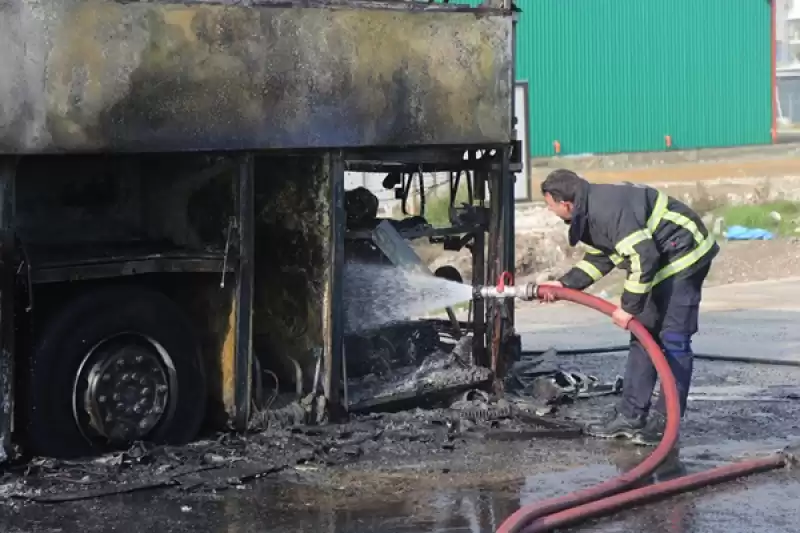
[765, 503]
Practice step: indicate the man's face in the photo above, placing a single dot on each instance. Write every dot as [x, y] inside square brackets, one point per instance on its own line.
[562, 210]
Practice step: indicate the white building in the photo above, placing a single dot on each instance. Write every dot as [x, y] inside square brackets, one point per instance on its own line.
[789, 32]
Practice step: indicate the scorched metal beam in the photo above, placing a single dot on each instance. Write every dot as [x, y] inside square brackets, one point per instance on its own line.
[101, 75]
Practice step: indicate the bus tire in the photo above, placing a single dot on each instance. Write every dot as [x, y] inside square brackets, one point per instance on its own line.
[114, 366]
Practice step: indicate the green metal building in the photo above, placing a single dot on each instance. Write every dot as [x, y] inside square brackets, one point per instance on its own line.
[609, 76]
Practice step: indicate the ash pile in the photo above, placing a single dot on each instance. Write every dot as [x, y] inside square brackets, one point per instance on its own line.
[412, 388]
[424, 398]
[404, 364]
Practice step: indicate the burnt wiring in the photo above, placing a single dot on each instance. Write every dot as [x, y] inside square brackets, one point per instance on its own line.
[298, 376]
[272, 398]
[26, 264]
[264, 416]
[232, 225]
[266, 404]
[454, 182]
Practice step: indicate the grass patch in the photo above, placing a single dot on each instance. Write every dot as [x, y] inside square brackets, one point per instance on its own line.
[761, 216]
[437, 205]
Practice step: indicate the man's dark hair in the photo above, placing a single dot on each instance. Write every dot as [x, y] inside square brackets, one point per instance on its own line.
[562, 184]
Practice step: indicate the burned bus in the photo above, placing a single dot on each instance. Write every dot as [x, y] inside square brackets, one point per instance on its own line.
[174, 225]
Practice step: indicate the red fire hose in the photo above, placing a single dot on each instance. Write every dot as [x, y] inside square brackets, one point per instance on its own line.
[616, 493]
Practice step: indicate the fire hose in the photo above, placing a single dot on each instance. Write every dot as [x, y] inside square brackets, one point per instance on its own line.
[619, 492]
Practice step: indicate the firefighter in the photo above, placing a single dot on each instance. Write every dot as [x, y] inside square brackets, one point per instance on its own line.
[667, 252]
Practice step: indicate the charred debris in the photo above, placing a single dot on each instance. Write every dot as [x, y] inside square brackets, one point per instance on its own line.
[415, 384]
[188, 160]
[284, 439]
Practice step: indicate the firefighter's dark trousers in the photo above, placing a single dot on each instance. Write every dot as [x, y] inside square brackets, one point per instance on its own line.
[671, 316]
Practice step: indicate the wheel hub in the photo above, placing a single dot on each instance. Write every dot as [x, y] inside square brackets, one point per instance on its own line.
[127, 390]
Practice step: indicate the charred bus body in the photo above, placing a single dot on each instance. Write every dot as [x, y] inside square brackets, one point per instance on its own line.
[172, 203]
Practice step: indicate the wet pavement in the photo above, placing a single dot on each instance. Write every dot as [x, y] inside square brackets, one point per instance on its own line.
[766, 503]
[470, 485]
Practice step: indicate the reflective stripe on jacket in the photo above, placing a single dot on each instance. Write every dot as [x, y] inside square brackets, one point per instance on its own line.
[640, 229]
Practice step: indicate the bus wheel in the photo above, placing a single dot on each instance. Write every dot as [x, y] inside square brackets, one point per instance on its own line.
[114, 366]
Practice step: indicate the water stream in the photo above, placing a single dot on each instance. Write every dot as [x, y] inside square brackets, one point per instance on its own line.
[378, 295]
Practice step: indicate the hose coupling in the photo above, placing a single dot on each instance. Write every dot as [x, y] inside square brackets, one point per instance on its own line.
[505, 289]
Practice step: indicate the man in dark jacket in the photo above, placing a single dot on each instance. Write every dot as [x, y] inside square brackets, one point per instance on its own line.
[667, 252]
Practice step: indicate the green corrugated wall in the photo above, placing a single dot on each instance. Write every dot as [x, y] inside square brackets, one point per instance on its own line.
[619, 75]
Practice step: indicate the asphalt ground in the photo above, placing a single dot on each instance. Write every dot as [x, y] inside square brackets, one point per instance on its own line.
[735, 411]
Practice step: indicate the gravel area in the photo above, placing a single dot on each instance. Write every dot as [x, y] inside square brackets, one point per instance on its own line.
[756, 261]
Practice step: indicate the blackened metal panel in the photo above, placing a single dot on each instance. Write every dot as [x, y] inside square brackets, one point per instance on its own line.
[7, 271]
[334, 316]
[507, 262]
[495, 268]
[479, 278]
[244, 296]
[90, 75]
[507, 227]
